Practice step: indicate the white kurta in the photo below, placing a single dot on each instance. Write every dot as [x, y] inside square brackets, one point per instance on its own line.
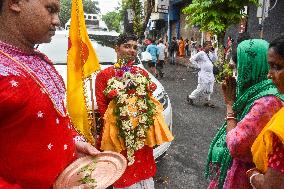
[201, 60]
[205, 75]
[143, 184]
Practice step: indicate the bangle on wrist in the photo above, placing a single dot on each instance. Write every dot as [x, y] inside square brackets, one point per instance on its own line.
[230, 117]
[251, 177]
[230, 114]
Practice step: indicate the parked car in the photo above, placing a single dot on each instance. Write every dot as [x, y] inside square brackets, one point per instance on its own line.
[56, 50]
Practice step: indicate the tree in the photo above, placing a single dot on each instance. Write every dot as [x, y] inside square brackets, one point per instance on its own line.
[112, 20]
[65, 11]
[90, 7]
[141, 18]
[149, 6]
[216, 17]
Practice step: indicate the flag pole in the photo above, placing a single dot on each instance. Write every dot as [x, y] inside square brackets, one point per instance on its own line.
[94, 125]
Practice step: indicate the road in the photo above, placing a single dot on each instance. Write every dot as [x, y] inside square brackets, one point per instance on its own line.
[193, 128]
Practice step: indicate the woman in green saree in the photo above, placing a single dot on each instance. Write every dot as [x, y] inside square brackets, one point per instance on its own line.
[250, 102]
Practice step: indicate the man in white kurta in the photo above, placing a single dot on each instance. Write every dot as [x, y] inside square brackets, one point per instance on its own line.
[204, 61]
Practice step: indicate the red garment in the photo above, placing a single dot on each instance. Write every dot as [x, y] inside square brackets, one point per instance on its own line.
[144, 166]
[36, 140]
[276, 159]
[229, 44]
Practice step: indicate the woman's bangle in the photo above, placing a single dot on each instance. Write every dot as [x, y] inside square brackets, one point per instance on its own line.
[230, 114]
[230, 117]
[251, 177]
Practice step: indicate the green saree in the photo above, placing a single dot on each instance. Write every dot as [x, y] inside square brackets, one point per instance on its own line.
[252, 84]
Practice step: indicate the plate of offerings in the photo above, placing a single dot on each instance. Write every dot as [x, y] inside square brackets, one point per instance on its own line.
[92, 172]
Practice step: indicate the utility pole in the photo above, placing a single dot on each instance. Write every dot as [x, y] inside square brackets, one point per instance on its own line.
[169, 25]
[128, 21]
[262, 13]
[262, 19]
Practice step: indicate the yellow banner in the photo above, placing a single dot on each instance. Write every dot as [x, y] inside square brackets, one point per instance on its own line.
[82, 61]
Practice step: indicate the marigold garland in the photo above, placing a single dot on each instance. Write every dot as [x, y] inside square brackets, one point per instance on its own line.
[129, 82]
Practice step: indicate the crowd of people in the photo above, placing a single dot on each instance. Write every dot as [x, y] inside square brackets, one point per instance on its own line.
[163, 51]
[37, 139]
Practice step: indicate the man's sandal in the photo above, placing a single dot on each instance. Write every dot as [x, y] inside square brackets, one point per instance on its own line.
[189, 100]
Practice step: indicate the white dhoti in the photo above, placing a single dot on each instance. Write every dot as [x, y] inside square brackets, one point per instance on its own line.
[144, 184]
[203, 89]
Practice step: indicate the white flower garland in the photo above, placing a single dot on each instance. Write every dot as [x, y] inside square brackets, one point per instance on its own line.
[129, 84]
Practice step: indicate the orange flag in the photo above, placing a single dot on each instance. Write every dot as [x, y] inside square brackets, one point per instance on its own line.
[82, 61]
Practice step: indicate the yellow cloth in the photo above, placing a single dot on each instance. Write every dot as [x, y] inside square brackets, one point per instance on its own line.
[82, 61]
[156, 135]
[263, 144]
[181, 48]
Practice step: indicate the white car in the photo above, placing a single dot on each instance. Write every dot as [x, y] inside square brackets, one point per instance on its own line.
[56, 51]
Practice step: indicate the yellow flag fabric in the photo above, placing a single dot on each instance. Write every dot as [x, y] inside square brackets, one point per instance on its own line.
[82, 61]
[263, 144]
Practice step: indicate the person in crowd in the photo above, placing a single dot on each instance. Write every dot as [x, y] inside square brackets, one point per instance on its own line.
[140, 47]
[187, 51]
[161, 59]
[138, 124]
[251, 102]
[204, 61]
[268, 148]
[173, 48]
[166, 49]
[37, 141]
[199, 48]
[193, 47]
[181, 46]
[228, 48]
[154, 51]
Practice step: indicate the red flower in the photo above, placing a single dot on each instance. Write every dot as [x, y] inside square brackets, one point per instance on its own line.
[134, 70]
[131, 91]
[130, 63]
[119, 73]
[141, 96]
[124, 117]
[112, 94]
[143, 111]
[152, 87]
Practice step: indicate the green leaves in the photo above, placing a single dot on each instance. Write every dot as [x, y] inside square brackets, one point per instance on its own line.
[90, 7]
[87, 171]
[112, 20]
[215, 16]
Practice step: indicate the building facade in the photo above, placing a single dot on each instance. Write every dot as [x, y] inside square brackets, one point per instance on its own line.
[174, 23]
[272, 24]
[178, 24]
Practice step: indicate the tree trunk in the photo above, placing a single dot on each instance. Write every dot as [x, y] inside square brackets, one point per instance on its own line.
[221, 49]
[149, 6]
[133, 6]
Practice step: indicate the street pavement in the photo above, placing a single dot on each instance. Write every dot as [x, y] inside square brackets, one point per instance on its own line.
[193, 128]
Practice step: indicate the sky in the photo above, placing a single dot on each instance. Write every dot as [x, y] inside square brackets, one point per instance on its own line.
[108, 5]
